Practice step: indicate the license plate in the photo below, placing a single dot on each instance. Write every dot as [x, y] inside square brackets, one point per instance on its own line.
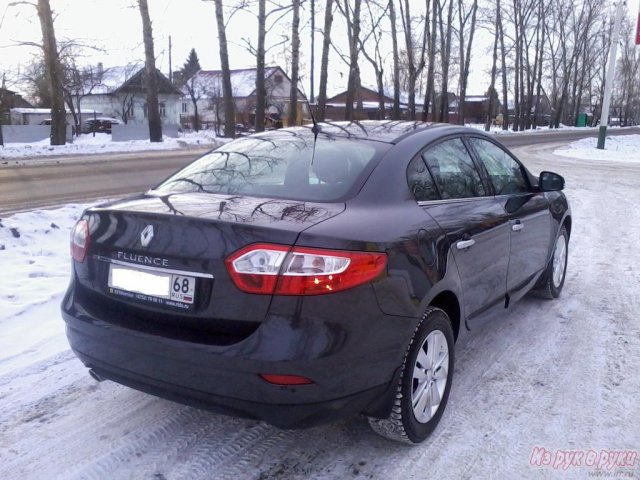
[156, 287]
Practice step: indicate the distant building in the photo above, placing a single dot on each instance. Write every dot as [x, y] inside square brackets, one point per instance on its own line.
[122, 94]
[8, 100]
[42, 116]
[207, 88]
[336, 105]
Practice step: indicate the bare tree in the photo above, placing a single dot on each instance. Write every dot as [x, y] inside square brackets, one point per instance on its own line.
[324, 61]
[375, 15]
[445, 55]
[503, 57]
[467, 24]
[351, 12]
[151, 77]
[492, 86]
[429, 94]
[261, 93]
[54, 75]
[395, 112]
[295, 64]
[415, 55]
[229, 107]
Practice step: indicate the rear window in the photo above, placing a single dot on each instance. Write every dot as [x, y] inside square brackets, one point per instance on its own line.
[278, 165]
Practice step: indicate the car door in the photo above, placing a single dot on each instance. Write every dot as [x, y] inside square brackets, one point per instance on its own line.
[527, 209]
[450, 189]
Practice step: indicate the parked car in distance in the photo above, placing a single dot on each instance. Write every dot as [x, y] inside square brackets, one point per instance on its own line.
[301, 275]
[100, 124]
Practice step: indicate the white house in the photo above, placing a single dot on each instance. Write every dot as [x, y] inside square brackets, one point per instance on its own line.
[206, 88]
[122, 94]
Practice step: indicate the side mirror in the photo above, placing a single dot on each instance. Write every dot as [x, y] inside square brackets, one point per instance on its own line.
[551, 182]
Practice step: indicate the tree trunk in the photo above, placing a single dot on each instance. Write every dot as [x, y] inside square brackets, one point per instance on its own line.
[151, 78]
[395, 112]
[54, 75]
[324, 62]
[492, 87]
[405, 15]
[196, 117]
[431, 68]
[536, 112]
[353, 27]
[261, 91]
[503, 55]
[446, 57]
[227, 93]
[295, 63]
[465, 58]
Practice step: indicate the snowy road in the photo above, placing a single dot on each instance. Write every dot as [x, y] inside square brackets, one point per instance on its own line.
[560, 375]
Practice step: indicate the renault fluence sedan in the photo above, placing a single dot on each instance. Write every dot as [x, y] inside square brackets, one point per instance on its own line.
[302, 275]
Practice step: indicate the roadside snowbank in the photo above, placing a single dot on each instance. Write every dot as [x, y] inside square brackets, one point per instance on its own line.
[34, 254]
[87, 144]
[620, 148]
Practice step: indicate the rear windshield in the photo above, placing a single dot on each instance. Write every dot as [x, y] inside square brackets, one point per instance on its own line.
[279, 165]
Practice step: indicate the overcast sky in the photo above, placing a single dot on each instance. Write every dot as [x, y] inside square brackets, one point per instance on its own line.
[115, 26]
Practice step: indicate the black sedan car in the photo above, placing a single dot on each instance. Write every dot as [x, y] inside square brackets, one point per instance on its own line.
[305, 274]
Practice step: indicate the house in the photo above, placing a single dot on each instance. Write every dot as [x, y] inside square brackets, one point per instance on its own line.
[206, 88]
[336, 105]
[8, 100]
[122, 94]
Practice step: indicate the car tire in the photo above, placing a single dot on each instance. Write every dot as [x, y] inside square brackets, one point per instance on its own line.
[552, 280]
[424, 380]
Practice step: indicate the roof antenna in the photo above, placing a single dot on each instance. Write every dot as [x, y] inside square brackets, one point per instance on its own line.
[316, 129]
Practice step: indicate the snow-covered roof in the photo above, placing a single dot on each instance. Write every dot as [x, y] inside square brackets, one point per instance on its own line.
[106, 80]
[45, 111]
[31, 110]
[243, 81]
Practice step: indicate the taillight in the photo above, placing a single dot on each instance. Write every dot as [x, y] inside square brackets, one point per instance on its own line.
[80, 240]
[280, 270]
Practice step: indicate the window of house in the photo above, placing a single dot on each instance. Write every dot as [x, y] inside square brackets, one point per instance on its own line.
[163, 110]
[185, 107]
[278, 78]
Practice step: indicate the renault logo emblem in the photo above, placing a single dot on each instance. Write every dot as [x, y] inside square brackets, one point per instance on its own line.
[146, 236]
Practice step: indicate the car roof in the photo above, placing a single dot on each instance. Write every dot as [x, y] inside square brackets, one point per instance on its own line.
[387, 131]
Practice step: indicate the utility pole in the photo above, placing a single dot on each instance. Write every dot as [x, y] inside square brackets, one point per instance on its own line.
[611, 70]
[170, 68]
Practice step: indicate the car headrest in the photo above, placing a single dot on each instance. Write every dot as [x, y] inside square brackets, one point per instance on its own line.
[332, 169]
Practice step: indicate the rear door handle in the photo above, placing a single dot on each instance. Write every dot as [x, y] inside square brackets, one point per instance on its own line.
[518, 226]
[462, 244]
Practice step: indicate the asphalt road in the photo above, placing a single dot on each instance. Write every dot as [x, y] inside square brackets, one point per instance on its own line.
[64, 180]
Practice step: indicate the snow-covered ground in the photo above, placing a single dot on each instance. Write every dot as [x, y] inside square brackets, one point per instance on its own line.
[555, 375]
[87, 144]
[622, 148]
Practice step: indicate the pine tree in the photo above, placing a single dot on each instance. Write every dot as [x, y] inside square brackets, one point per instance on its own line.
[191, 66]
[192, 85]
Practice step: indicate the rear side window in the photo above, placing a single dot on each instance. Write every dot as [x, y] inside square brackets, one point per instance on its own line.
[506, 174]
[453, 170]
[420, 181]
[281, 165]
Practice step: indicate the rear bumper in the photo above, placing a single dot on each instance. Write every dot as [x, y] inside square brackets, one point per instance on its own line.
[282, 416]
[354, 366]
